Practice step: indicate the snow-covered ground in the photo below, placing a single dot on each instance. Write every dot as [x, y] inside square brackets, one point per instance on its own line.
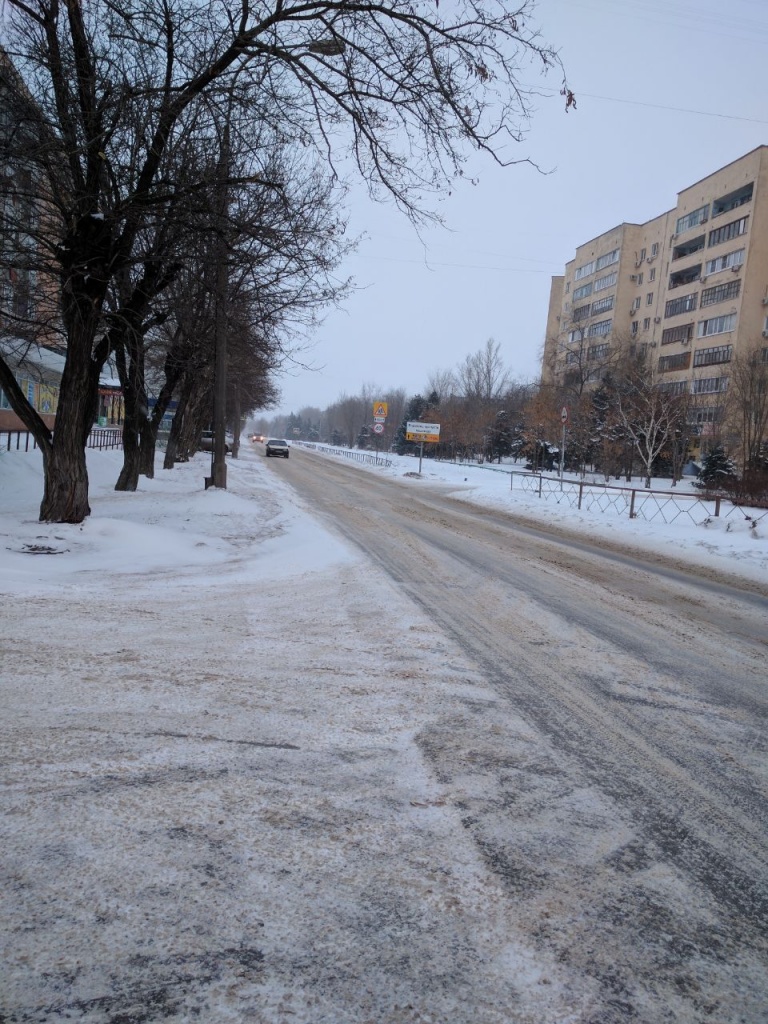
[214, 805]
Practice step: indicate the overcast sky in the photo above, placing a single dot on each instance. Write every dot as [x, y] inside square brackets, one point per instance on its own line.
[668, 91]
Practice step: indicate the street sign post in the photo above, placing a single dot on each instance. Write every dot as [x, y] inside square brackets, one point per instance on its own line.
[421, 432]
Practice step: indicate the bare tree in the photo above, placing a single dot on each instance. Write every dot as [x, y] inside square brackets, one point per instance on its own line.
[650, 413]
[482, 377]
[112, 86]
[747, 405]
[441, 383]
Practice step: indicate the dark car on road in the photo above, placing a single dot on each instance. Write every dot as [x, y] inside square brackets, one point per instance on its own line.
[277, 446]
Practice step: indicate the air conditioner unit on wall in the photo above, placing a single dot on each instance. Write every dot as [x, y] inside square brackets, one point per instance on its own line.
[765, 300]
[703, 278]
[765, 333]
[633, 277]
[736, 269]
[657, 319]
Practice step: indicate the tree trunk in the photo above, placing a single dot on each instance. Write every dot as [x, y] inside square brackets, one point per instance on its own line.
[130, 366]
[128, 480]
[65, 495]
[147, 446]
[152, 426]
[174, 437]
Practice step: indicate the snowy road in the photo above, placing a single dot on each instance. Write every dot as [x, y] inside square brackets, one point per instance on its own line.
[250, 776]
[627, 818]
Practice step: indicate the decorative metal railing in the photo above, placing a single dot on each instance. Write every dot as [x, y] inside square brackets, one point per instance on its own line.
[368, 458]
[23, 440]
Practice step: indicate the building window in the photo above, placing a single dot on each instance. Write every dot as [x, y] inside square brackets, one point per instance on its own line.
[681, 361]
[567, 287]
[606, 282]
[712, 414]
[585, 270]
[709, 385]
[652, 274]
[647, 323]
[607, 260]
[654, 249]
[731, 259]
[685, 304]
[633, 327]
[689, 248]
[639, 277]
[728, 231]
[673, 387]
[571, 358]
[690, 220]
[582, 291]
[677, 335]
[600, 328]
[711, 356]
[717, 325]
[649, 299]
[581, 313]
[597, 351]
[636, 302]
[686, 276]
[642, 254]
[733, 200]
[721, 292]
[602, 305]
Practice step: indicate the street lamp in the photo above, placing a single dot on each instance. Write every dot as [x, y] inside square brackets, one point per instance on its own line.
[218, 476]
[327, 47]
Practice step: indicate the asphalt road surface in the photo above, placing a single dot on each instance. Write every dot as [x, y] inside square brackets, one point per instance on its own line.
[628, 820]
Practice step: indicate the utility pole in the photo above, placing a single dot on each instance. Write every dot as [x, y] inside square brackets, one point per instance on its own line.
[219, 456]
[563, 420]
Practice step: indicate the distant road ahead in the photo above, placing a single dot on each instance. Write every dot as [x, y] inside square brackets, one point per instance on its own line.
[627, 811]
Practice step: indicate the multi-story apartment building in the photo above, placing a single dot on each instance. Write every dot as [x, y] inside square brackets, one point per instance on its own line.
[689, 287]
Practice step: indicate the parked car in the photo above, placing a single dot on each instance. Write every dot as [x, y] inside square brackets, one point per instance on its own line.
[206, 442]
[277, 446]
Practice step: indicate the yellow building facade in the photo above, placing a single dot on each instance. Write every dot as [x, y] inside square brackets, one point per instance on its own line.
[689, 288]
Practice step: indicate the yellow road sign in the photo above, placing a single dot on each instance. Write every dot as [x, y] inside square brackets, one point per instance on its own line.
[380, 410]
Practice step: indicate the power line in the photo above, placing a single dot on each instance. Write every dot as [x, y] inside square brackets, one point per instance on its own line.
[429, 264]
[661, 106]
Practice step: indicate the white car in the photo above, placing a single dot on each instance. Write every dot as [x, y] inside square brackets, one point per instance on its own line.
[277, 446]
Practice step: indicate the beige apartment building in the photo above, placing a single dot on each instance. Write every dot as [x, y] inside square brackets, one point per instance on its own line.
[689, 286]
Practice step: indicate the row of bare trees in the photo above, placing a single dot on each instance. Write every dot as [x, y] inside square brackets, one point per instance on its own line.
[628, 419]
[164, 143]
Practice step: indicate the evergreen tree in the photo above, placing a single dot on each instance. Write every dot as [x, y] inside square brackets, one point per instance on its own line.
[718, 469]
[414, 411]
[500, 437]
